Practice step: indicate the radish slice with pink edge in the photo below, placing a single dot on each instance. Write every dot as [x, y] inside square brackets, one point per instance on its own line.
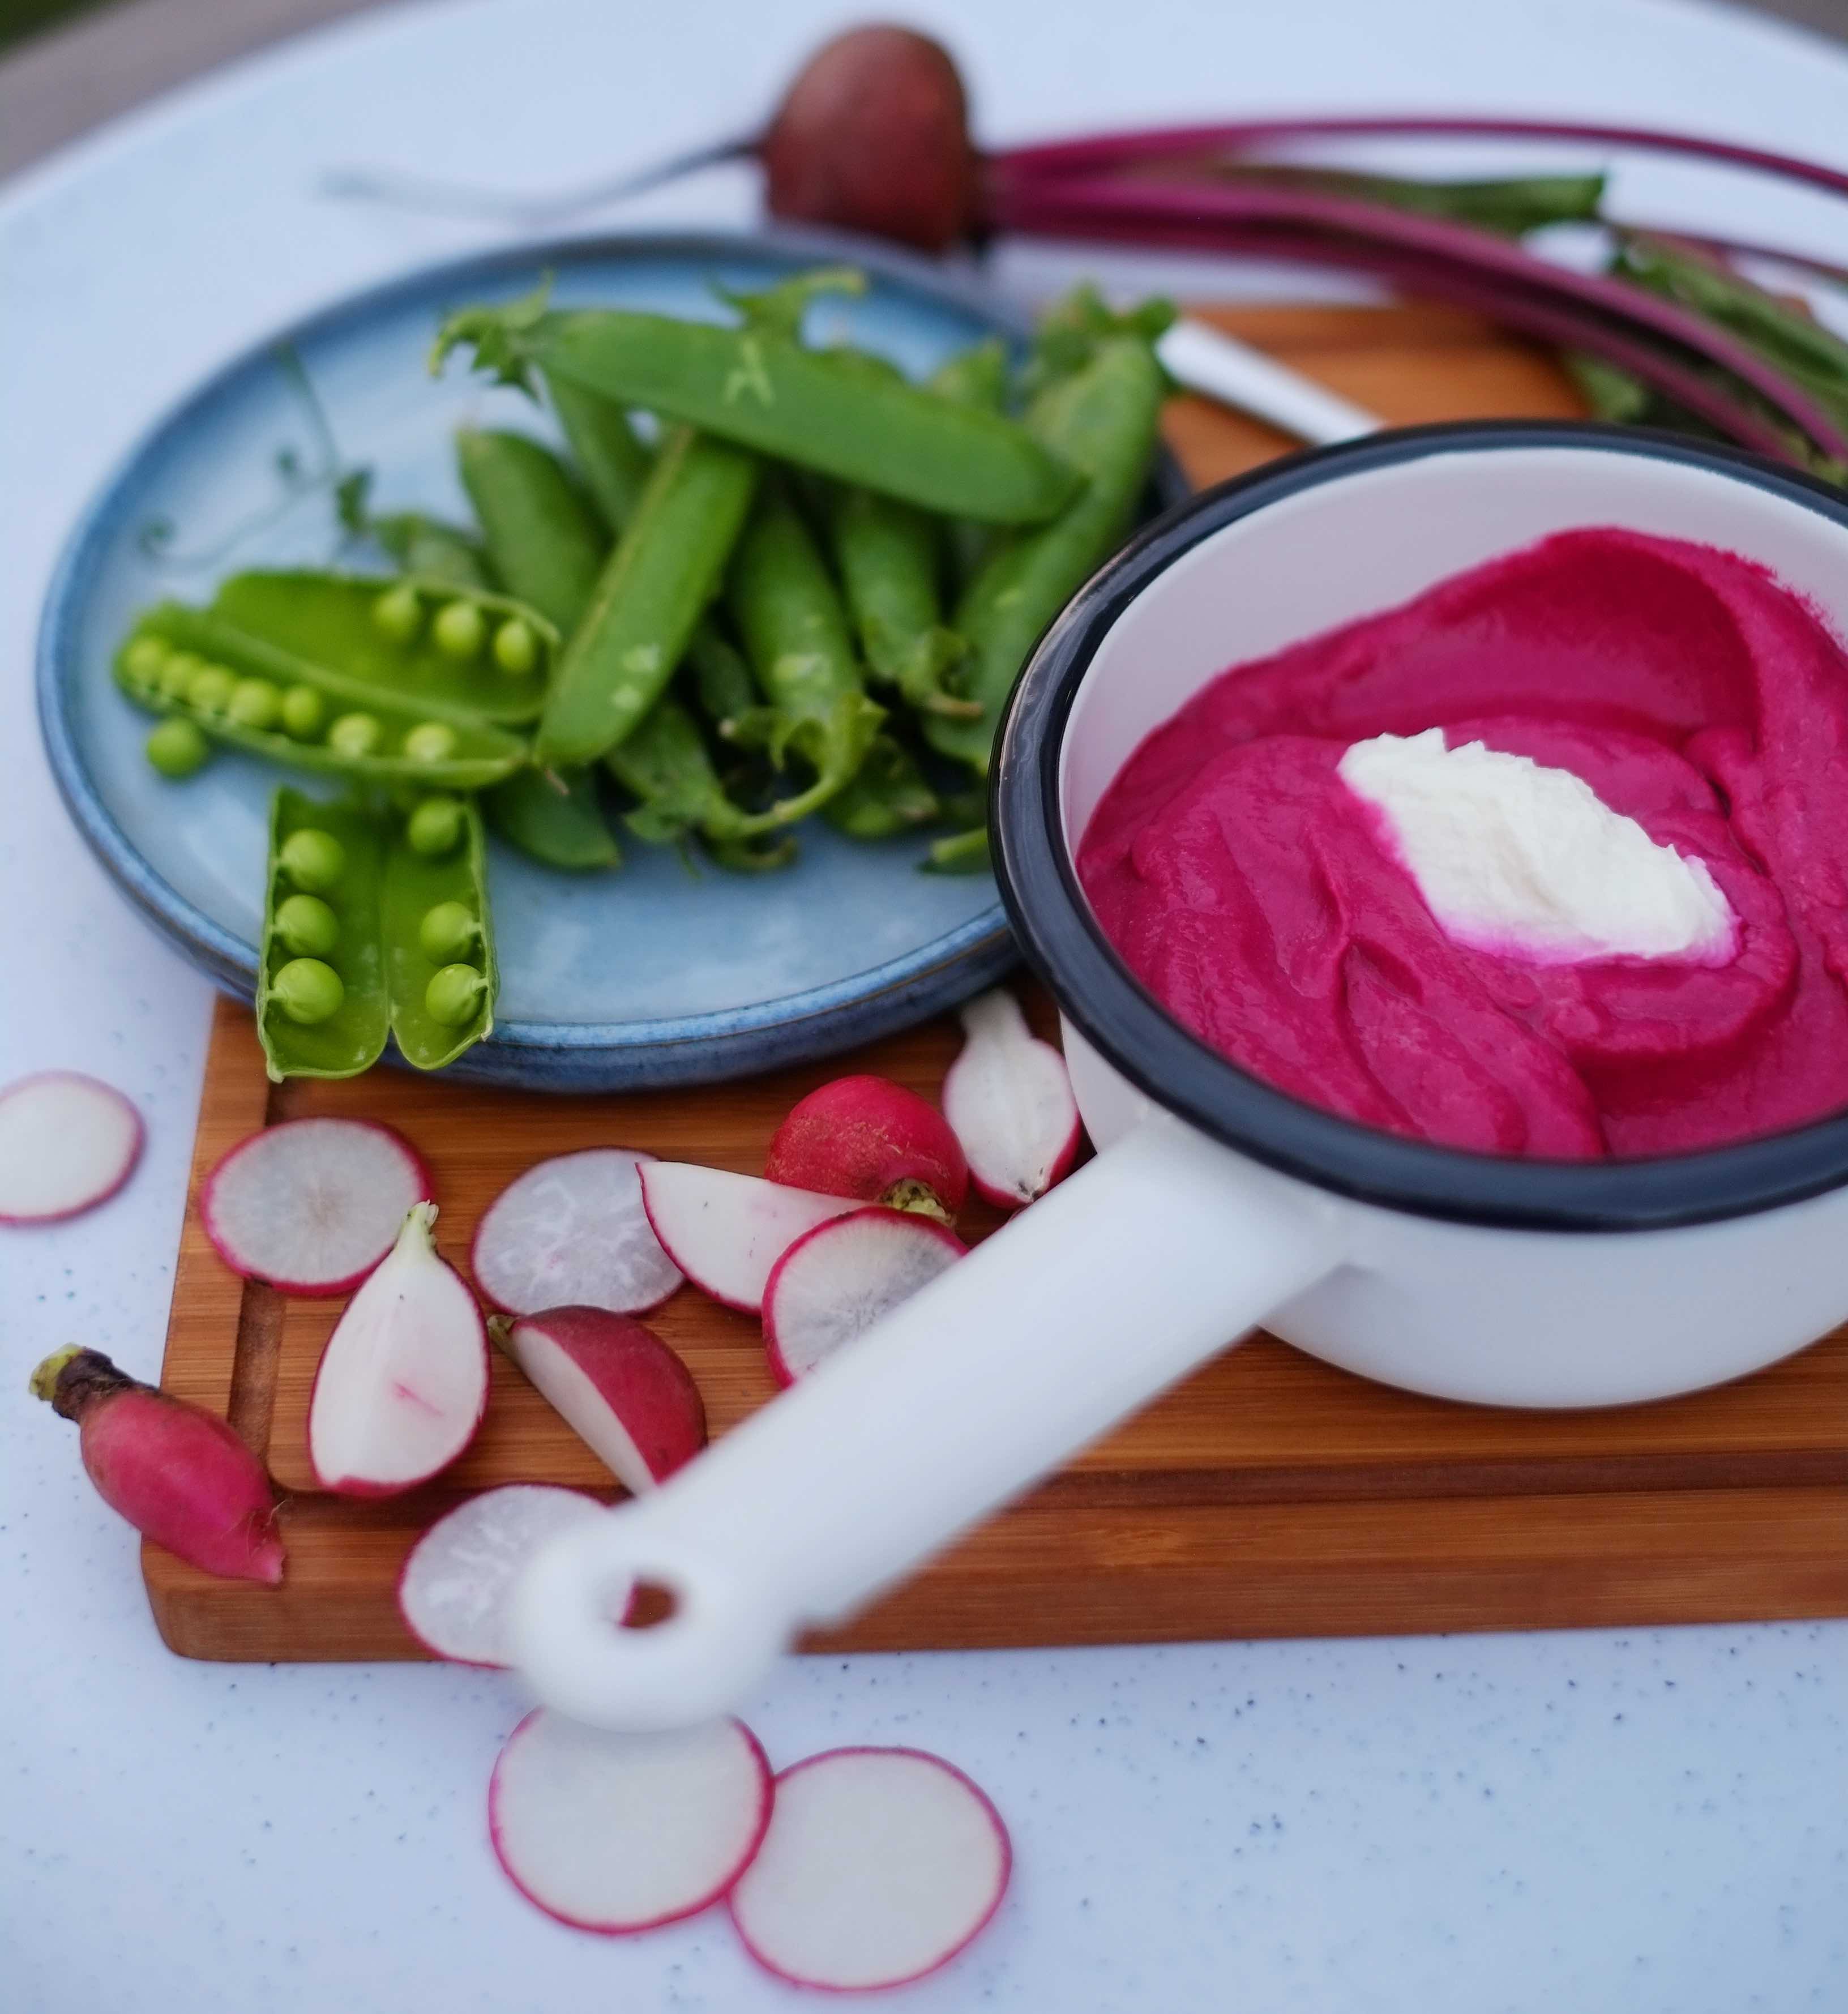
[452, 1590]
[834, 1283]
[880, 1864]
[67, 1142]
[571, 1232]
[1008, 1098]
[726, 1232]
[619, 1833]
[312, 1204]
[630, 1399]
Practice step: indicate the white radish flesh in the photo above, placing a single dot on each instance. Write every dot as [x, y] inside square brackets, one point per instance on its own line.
[726, 1231]
[571, 1232]
[67, 1142]
[880, 1864]
[629, 1396]
[1008, 1099]
[453, 1591]
[625, 1832]
[312, 1206]
[403, 1380]
[830, 1286]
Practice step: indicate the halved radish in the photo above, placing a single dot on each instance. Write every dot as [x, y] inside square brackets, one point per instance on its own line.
[312, 1204]
[869, 1137]
[880, 1864]
[452, 1589]
[571, 1232]
[1009, 1099]
[67, 1142]
[403, 1383]
[834, 1282]
[625, 1832]
[629, 1397]
[726, 1231]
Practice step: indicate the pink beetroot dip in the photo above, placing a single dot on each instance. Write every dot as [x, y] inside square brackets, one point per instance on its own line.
[1248, 889]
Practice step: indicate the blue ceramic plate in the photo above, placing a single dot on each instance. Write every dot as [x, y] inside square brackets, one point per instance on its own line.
[653, 975]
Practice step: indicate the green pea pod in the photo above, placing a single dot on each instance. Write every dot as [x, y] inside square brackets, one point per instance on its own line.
[366, 638]
[542, 534]
[441, 976]
[650, 597]
[349, 1038]
[349, 729]
[888, 797]
[553, 817]
[1103, 418]
[795, 634]
[765, 391]
[721, 679]
[886, 553]
[666, 767]
[960, 853]
[1071, 332]
[610, 456]
[431, 549]
[976, 377]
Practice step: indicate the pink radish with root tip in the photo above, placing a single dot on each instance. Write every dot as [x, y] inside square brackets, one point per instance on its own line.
[1009, 1100]
[620, 1833]
[627, 1396]
[879, 1866]
[571, 1232]
[866, 1136]
[312, 1206]
[834, 1283]
[67, 1142]
[403, 1380]
[726, 1231]
[178, 1473]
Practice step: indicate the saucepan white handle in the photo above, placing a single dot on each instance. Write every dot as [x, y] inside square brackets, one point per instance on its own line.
[1128, 1275]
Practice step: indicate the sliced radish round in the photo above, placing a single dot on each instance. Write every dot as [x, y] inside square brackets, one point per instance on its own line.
[880, 1864]
[726, 1231]
[67, 1142]
[630, 1398]
[623, 1832]
[834, 1283]
[452, 1590]
[571, 1232]
[312, 1204]
[1009, 1099]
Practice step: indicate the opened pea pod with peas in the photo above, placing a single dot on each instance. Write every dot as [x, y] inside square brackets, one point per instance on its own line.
[765, 581]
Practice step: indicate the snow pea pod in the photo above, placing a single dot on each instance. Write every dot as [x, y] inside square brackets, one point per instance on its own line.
[321, 1005]
[650, 597]
[542, 535]
[1103, 418]
[886, 553]
[666, 767]
[611, 457]
[553, 817]
[887, 797]
[765, 391]
[441, 976]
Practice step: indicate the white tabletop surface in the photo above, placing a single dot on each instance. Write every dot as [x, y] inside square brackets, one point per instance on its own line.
[1651, 1822]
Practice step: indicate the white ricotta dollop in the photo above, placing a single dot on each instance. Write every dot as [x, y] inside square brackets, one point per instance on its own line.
[1514, 857]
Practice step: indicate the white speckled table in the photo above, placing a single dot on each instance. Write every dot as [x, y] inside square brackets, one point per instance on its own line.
[1653, 1824]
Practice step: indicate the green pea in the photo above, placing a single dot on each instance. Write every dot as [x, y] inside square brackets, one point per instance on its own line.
[460, 630]
[306, 926]
[447, 930]
[516, 648]
[435, 827]
[308, 990]
[313, 859]
[211, 688]
[354, 735]
[398, 612]
[255, 703]
[177, 748]
[453, 994]
[144, 659]
[176, 675]
[303, 711]
[430, 741]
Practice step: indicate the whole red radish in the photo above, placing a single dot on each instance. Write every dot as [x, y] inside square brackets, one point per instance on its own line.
[867, 1137]
[177, 1473]
[873, 136]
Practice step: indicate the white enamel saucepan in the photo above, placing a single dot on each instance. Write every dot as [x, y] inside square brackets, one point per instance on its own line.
[1215, 1203]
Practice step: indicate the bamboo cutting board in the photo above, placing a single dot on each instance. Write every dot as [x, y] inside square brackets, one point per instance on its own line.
[1270, 1495]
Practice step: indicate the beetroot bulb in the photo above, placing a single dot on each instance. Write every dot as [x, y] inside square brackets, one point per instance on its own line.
[175, 1472]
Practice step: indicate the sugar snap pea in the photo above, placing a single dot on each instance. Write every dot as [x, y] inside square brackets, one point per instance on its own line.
[321, 1004]
[960, 853]
[444, 1004]
[432, 549]
[543, 537]
[665, 764]
[764, 391]
[975, 377]
[553, 817]
[612, 459]
[886, 553]
[720, 678]
[888, 796]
